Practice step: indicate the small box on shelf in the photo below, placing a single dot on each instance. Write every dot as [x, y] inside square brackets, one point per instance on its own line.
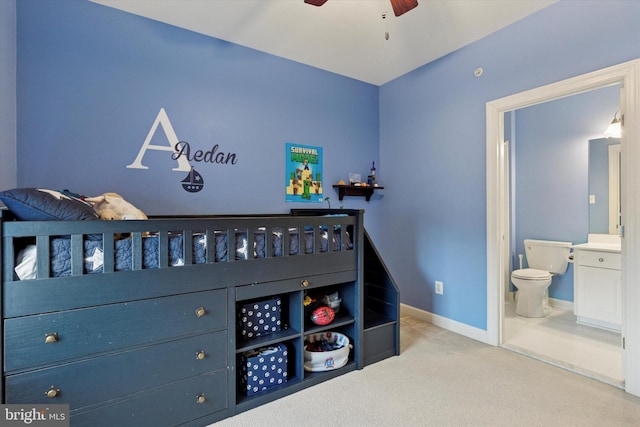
[264, 368]
[259, 318]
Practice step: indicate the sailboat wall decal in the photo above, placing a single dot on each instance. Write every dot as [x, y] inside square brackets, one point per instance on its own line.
[193, 182]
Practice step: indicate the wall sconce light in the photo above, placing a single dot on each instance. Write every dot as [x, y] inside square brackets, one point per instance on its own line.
[614, 130]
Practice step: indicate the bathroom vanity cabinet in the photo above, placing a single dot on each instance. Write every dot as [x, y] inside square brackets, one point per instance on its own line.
[598, 285]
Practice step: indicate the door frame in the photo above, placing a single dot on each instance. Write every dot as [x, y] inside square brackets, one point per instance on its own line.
[627, 75]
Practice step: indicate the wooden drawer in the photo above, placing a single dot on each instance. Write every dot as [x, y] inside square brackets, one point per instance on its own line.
[290, 285]
[609, 260]
[121, 373]
[171, 405]
[95, 330]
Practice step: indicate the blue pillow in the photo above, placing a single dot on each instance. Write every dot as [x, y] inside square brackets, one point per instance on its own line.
[38, 204]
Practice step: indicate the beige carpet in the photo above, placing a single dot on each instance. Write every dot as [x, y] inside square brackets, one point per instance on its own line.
[444, 379]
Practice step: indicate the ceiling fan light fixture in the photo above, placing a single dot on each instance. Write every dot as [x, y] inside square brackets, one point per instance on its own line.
[315, 2]
[400, 7]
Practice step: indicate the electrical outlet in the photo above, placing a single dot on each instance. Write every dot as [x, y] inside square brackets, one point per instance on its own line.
[439, 287]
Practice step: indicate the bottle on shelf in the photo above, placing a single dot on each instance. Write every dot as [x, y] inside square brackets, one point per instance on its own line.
[372, 176]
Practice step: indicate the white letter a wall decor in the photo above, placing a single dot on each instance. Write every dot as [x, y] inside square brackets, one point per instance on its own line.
[172, 139]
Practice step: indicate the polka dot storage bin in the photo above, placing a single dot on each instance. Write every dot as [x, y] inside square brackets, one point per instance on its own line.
[259, 318]
[264, 368]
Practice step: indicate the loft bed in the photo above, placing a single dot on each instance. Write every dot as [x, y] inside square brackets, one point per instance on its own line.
[169, 254]
[147, 309]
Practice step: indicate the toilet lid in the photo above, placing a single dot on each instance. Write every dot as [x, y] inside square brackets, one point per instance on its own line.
[531, 274]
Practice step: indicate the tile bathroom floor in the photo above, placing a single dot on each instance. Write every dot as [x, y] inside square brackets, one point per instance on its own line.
[559, 340]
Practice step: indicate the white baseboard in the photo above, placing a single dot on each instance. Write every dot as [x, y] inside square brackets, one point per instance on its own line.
[561, 304]
[464, 329]
[557, 303]
[445, 323]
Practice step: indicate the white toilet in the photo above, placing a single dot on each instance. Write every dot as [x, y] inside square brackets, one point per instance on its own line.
[545, 258]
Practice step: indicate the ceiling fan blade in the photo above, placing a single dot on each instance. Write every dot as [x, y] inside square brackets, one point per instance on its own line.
[315, 2]
[402, 6]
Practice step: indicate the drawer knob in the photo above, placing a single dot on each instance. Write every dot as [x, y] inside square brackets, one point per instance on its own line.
[601, 259]
[200, 312]
[201, 398]
[304, 283]
[200, 355]
[52, 392]
[51, 338]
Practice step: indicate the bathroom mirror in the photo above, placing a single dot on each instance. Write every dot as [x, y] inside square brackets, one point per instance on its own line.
[604, 185]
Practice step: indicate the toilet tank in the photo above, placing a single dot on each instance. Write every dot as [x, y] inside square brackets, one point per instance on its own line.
[548, 255]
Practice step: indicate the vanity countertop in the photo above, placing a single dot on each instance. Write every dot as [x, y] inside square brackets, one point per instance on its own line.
[601, 242]
[604, 247]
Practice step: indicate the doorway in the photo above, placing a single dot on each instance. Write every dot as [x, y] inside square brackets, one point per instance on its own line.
[557, 157]
[627, 75]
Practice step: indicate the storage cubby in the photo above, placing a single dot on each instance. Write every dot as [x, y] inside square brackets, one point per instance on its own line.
[294, 377]
[296, 324]
[288, 335]
[344, 321]
[289, 318]
[345, 314]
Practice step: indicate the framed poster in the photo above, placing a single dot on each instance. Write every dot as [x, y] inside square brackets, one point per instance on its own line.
[303, 178]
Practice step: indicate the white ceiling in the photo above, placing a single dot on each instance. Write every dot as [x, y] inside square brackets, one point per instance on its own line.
[346, 37]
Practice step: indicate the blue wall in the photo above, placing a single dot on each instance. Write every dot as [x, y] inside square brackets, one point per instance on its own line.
[92, 79]
[8, 165]
[551, 171]
[433, 139]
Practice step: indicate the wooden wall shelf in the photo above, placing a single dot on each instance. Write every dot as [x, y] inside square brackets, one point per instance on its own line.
[356, 190]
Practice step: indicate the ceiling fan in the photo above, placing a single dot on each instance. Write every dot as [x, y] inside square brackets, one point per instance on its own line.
[399, 6]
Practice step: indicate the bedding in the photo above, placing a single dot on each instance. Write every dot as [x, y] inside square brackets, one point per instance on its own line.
[38, 204]
[93, 251]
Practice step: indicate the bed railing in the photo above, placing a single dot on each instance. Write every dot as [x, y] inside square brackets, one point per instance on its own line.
[263, 237]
